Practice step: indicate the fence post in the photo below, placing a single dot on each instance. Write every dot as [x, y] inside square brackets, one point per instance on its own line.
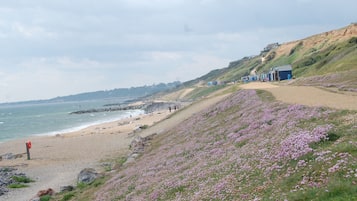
[28, 146]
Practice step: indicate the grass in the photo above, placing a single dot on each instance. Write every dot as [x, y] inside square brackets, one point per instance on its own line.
[82, 192]
[249, 172]
[21, 182]
[203, 91]
[22, 179]
[265, 95]
[241, 143]
[17, 185]
[337, 190]
[45, 198]
[345, 147]
[336, 57]
[68, 196]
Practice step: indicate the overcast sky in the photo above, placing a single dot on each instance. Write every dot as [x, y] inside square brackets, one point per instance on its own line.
[52, 48]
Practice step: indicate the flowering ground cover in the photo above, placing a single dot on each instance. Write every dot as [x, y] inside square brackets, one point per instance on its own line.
[343, 81]
[247, 147]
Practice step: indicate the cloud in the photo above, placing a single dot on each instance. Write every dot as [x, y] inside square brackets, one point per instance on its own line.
[76, 46]
[32, 32]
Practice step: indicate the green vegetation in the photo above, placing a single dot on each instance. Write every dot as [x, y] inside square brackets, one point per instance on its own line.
[68, 196]
[309, 57]
[82, 192]
[22, 179]
[21, 182]
[336, 57]
[45, 198]
[17, 185]
[144, 126]
[200, 92]
[234, 150]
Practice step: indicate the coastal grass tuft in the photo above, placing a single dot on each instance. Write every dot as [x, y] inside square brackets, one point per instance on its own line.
[203, 91]
[265, 95]
[337, 190]
[22, 179]
[45, 198]
[17, 185]
[21, 182]
[68, 196]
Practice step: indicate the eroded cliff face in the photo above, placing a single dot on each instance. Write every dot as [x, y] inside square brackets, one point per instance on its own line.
[319, 41]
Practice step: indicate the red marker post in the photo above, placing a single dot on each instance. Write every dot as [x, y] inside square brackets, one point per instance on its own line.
[28, 147]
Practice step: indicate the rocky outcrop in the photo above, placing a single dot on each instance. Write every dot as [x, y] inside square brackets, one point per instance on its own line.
[10, 156]
[7, 178]
[137, 147]
[66, 188]
[48, 191]
[138, 144]
[107, 109]
[87, 176]
[147, 107]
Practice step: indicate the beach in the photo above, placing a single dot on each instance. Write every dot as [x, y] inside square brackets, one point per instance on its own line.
[57, 160]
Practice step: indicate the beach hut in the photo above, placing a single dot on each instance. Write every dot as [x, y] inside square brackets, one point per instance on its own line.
[280, 73]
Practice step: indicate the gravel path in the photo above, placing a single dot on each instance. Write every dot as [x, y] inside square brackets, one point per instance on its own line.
[306, 95]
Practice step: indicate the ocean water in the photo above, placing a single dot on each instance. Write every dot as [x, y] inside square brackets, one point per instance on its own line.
[21, 121]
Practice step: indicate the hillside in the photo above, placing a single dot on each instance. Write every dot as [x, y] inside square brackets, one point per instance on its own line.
[329, 57]
[252, 145]
[246, 149]
[329, 52]
[119, 94]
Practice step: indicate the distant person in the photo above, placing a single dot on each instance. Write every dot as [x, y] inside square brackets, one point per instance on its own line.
[175, 108]
[169, 108]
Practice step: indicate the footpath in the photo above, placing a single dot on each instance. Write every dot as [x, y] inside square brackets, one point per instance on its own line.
[306, 95]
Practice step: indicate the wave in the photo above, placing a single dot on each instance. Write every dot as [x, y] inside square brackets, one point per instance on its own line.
[127, 114]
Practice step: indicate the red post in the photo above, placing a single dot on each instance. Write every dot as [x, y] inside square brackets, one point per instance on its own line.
[28, 147]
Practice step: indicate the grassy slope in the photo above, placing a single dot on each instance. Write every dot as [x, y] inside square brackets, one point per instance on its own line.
[245, 149]
[330, 52]
[333, 52]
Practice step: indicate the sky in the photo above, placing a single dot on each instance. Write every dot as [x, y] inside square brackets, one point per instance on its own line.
[63, 47]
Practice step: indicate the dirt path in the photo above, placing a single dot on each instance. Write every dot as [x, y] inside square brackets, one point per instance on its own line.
[181, 115]
[306, 95]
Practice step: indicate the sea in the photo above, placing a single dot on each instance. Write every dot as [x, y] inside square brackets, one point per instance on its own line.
[19, 121]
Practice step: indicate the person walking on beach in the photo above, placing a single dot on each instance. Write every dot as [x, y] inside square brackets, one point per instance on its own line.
[170, 108]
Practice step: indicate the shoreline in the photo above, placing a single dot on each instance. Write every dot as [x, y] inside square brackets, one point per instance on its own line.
[88, 125]
[78, 127]
[56, 160]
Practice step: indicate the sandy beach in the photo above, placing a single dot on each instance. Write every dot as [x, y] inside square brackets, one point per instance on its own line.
[57, 160]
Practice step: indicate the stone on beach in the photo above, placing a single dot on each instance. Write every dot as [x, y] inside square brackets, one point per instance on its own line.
[87, 176]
